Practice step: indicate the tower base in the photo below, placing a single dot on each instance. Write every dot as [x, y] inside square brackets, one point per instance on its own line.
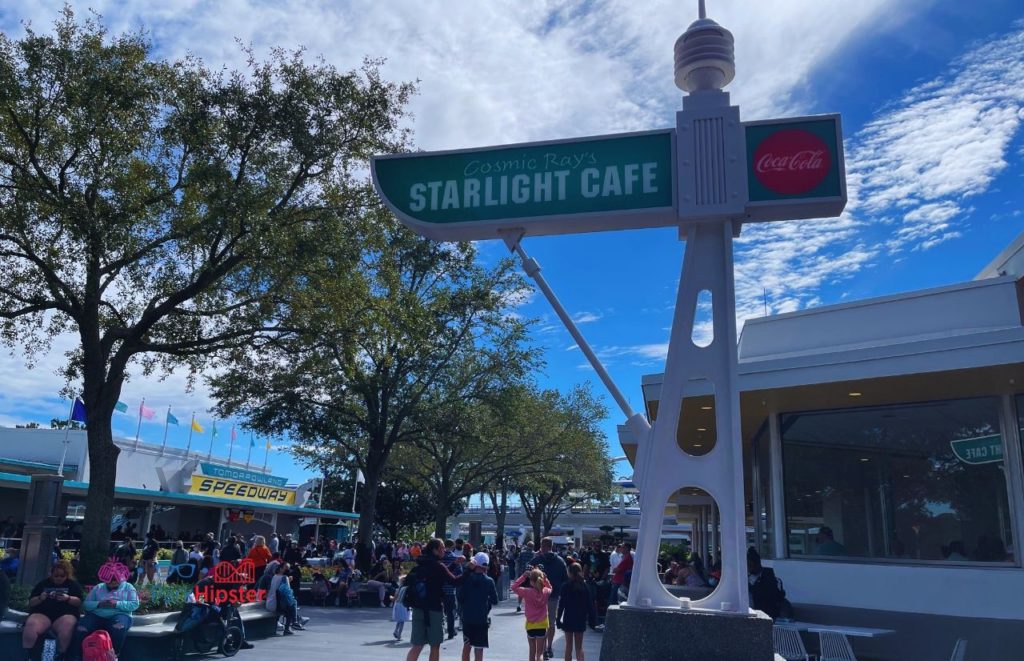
[636, 634]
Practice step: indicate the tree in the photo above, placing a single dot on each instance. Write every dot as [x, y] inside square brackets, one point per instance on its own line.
[160, 211]
[461, 451]
[526, 417]
[57, 423]
[575, 461]
[401, 506]
[430, 325]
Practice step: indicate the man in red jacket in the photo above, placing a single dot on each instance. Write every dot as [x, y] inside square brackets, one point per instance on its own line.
[619, 576]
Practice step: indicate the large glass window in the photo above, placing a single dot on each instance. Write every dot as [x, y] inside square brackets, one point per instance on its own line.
[763, 493]
[907, 482]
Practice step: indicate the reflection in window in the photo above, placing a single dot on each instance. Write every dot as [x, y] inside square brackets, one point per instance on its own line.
[906, 482]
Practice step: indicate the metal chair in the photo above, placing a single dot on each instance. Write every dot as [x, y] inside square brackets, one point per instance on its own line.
[835, 647]
[959, 651]
[788, 644]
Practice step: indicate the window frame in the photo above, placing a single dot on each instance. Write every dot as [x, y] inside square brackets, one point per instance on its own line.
[1013, 474]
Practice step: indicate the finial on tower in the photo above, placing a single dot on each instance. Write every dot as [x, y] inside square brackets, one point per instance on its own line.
[705, 58]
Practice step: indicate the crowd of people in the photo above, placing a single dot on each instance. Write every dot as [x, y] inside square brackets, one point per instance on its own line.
[435, 588]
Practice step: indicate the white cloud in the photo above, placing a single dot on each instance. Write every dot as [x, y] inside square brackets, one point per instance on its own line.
[499, 72]
[910, 172]
[586, 317]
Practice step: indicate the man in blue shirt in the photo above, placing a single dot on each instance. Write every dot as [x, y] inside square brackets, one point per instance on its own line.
[476, 595]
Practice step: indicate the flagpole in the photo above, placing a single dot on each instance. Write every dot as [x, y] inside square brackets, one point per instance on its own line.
[231, 444]
[266, 456]
[167, 423]
[213, 435]
[139, 428]
[67, 430]
[354, 492]
[249, 456]
[319, 506]
[191, 427]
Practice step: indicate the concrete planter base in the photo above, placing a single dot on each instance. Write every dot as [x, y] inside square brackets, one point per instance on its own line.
[683, 635]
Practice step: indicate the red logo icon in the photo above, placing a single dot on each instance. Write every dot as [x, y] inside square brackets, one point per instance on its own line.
[792, 162]
[226, 572]
[244, 574]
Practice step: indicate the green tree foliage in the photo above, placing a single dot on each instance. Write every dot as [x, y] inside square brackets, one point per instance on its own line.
[429, 328]
[402, 506]
[161, 211]
[571, 456]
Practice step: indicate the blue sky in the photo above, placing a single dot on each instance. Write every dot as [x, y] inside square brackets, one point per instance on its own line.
[931, 93]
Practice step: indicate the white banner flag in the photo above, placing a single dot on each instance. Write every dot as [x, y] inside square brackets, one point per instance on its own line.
[359, 477]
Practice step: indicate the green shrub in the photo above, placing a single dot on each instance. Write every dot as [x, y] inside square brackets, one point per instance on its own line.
[162, 598]
[164, 554]
[19, 597]
[68, 555]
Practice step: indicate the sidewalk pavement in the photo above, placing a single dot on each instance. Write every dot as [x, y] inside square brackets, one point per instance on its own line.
[365, 633]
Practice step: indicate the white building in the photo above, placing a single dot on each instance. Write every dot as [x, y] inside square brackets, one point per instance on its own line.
[895, 422]
[182, 492]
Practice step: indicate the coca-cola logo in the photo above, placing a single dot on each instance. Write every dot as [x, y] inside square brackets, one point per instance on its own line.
[792, 162]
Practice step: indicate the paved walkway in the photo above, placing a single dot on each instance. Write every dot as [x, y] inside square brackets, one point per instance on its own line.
[364, 633]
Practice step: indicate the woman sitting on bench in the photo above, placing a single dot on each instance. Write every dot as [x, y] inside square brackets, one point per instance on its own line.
[55, 604]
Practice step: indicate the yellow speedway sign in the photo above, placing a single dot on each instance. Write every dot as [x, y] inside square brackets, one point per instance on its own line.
[255, 493]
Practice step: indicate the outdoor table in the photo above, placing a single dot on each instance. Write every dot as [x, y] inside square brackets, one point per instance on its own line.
[810, 627]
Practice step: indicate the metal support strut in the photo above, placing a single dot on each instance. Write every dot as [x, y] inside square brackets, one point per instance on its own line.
[532, 269]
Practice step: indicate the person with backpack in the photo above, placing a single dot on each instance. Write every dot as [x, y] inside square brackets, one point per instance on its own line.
[575, 611]
[281, 599]
[477, 595]
[108, 613]
[424, 596]
[554, 569]
[536, 595]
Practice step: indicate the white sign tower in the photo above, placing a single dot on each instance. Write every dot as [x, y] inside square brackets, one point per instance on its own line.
[708, 175]
[712, 182]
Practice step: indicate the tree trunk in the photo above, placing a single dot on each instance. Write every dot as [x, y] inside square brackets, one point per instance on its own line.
[99, 500]
[441, 515]
[99, 396]
[367, 513]
[500, 512]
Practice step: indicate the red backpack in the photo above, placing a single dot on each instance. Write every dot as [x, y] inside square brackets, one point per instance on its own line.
[97, 646]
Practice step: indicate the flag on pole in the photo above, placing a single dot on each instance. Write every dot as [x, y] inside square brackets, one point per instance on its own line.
[146, 412]
[213, 431]
[252, 442]
[196, 427]
[268, 443]
[360, 479]
[121, 407]
[78, 411]
[171, 420]
[234, 434]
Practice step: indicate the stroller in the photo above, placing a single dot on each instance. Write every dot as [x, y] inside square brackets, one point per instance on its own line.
[203, 627]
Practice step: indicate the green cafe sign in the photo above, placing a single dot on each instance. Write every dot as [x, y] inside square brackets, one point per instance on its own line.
[540, 187]
[979, 450]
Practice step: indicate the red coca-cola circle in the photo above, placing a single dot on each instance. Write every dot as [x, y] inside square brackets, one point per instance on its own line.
[791, 162]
